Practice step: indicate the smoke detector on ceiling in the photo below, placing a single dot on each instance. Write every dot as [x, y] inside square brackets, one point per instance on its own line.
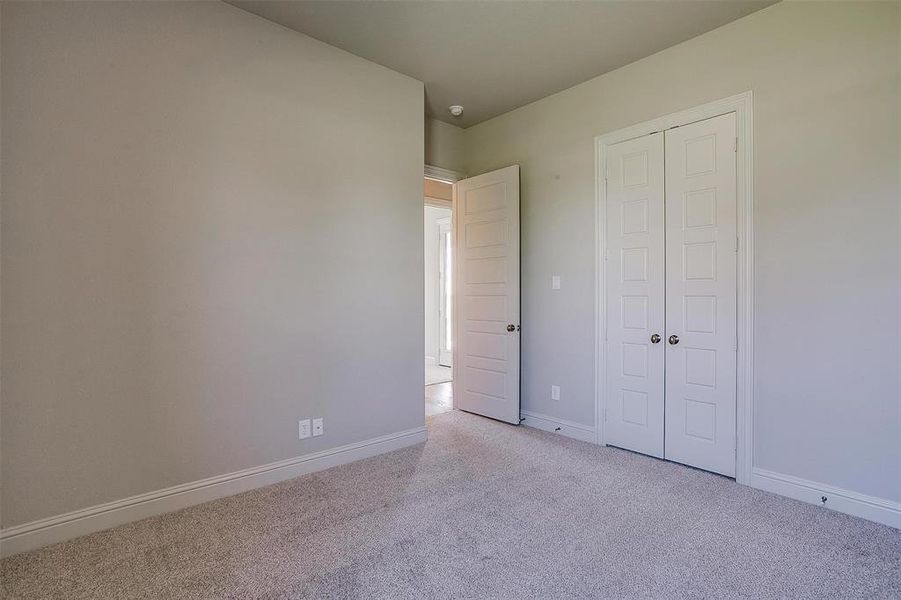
[455, 110]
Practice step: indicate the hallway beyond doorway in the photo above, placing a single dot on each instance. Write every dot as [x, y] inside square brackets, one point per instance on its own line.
[439, 398]
[438, 374]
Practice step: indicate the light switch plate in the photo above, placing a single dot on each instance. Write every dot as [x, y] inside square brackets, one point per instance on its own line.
[555, 282]
[303, 429]
[555, 392]
[317, 427]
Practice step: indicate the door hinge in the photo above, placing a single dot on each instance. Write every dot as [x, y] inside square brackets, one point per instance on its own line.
[605, 415]
[736, 244]
[735, 149]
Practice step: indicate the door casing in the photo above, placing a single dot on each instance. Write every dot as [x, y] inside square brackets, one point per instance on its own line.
[742, 106]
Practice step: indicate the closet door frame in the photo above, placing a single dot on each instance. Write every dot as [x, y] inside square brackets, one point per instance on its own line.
[741, 105]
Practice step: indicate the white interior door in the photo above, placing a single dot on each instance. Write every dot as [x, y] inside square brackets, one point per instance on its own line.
[445, 293]
[635, 295]
[700, 294]
[486, 363]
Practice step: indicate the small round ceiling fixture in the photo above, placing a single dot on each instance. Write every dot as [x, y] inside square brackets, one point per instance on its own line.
[455, 110]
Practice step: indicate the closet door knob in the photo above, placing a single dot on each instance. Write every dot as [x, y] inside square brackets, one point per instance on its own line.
[655, 339]
[511, 327]
[674, 339]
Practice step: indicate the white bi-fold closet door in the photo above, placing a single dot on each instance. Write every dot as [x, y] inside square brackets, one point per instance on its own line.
[671, 294]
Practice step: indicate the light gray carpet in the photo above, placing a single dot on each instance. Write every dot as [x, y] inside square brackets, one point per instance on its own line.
[482, 510]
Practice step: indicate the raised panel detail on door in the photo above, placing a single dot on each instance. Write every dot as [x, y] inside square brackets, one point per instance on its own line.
[635, 216]
[634, 312]
[699, 260]
[635, 264]
[635, 295]
[485, 270]
[699, 209]
[699, 314]
[634, 407]
[485, 308]
[635, 360]
[491, 233]
[486, 374]
[700, 294]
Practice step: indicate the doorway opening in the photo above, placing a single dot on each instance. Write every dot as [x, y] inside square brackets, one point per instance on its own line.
[438, 242]
[472, 293]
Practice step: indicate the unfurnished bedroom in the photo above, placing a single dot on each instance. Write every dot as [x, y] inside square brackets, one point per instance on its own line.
[450, 299]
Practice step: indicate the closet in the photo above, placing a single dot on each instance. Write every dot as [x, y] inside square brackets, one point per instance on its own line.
[671, 249]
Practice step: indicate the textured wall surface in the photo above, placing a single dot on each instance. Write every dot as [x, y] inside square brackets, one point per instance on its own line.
[203, 240]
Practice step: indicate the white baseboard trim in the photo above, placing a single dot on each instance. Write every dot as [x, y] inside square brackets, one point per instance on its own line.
[51, 530]
[576, 431]
[872, 508]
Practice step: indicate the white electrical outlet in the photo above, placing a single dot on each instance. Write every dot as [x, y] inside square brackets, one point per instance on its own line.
[317, 427]
[555, 392]
[303, 429]
[555, 282]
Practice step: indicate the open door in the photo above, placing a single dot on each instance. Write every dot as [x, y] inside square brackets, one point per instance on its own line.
[486, 340]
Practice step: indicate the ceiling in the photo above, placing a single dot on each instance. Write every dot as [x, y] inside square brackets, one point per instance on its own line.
[492, 57]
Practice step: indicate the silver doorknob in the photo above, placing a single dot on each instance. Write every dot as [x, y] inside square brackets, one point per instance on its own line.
[674, 339]
[511, 327]
[655, 339]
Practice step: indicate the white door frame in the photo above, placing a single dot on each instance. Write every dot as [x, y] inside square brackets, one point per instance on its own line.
[439, 174]
[445, 176]
[741, 105]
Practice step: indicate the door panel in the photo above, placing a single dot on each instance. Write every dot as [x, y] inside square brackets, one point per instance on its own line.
[700, 294]
[486, 216]
[635, 295]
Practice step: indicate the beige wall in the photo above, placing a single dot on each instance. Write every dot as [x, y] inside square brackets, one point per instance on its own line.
[444, 145]
[203, 240]
[825, 79]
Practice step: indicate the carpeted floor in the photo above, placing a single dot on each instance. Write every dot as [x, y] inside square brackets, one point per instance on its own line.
[482, 510]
